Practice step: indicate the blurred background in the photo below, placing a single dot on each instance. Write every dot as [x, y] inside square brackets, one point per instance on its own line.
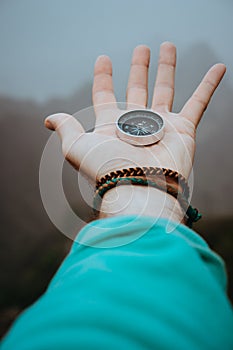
[48, 49]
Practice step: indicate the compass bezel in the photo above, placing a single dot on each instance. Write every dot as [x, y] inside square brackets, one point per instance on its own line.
[140, 140]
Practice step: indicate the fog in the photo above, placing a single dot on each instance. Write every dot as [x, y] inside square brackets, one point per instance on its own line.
[48, 49]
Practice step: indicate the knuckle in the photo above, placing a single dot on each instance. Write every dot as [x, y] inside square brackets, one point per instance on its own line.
[65, 149]
[209, 84]
[165, 85]
[166, 63]
[103, 74]
[138, 86]
[200, 100]
[143, 64]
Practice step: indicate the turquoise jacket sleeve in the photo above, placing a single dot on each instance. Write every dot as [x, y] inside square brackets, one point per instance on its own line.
[131, 283]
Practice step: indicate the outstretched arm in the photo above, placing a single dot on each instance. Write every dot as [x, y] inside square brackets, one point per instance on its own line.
[127, 283]
[100, 152]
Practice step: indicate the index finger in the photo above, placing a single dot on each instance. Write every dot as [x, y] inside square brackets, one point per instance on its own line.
[198, 102]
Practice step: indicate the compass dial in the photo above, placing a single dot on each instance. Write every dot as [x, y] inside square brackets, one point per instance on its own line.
[140, 126]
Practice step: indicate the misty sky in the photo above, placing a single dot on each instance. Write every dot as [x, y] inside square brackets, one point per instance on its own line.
[48, 47]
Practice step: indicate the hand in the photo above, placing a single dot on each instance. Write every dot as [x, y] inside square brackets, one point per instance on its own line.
[101, 151]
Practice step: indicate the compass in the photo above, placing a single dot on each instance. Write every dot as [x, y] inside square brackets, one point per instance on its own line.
[140, 127]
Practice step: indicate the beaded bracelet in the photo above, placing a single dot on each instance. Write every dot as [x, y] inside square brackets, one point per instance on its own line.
[102, 187]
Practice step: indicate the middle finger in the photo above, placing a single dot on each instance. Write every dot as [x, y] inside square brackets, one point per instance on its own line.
[137, 90]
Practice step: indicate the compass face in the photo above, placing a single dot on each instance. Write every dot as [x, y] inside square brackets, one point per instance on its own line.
[140, 125]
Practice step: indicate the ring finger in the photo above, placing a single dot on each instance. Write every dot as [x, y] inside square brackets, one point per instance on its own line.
[164, 86]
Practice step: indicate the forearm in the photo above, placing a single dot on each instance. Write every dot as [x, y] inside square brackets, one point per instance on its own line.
[116, 290]
[140, 200]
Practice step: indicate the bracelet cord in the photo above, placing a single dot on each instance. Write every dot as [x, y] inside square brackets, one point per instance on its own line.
[102, 187]
[147, 172]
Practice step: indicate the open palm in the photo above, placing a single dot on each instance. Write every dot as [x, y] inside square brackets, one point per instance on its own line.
[101, 151]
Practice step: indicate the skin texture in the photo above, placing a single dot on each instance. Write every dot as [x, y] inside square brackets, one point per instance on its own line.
[100, 152]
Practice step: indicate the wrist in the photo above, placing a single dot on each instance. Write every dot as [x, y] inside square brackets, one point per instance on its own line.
[140, 200]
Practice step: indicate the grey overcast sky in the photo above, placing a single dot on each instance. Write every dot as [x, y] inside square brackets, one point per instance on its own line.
[48, 47]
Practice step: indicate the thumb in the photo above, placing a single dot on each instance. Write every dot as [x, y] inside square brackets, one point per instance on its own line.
[63, 123]
[67, 127]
